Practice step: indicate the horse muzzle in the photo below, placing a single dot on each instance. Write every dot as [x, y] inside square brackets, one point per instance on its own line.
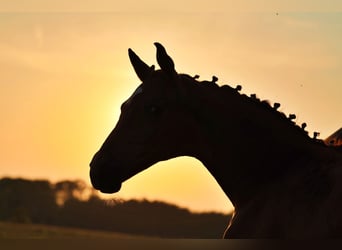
[104, 176]
[104, 183]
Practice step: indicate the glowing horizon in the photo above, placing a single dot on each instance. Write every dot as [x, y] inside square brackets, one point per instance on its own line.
[65, 75]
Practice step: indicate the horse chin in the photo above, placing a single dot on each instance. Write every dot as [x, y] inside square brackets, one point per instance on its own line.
[110, 189]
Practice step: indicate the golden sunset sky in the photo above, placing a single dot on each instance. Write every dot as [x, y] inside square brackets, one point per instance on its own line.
[64, 72]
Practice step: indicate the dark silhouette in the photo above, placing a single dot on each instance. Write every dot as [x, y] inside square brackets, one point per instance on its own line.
[282, 183]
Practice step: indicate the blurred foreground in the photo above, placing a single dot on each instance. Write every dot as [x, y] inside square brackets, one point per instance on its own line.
[10, 230]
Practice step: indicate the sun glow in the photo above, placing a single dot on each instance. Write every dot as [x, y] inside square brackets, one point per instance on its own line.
[64, 76]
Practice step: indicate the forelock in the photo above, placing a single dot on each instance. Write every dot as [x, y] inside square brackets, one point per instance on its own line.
[138, 91]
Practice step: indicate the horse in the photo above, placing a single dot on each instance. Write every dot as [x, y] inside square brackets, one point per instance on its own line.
[282, 182]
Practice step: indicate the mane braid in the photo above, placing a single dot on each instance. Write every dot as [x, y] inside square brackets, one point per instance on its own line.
[264, 104]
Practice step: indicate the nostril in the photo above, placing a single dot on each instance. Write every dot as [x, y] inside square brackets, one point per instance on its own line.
[97, 178]
[99, 171]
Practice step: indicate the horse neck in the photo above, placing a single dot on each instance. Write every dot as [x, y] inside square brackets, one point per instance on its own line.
[248, 150]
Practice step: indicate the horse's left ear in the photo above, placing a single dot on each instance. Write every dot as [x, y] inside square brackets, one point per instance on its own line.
[166, 64]
[164, 60]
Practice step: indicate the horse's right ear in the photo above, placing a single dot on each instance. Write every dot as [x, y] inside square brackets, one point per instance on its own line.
[141, 69]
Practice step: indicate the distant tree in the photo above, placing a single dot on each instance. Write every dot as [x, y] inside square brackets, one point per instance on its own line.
[36, 202]
[26, 201]
[67, 190]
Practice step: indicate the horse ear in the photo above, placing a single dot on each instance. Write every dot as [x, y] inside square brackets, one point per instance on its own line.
[164, 60]
[166, 64]
[141, 69]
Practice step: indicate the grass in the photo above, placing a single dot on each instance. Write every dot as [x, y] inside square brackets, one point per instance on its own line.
[35, 231]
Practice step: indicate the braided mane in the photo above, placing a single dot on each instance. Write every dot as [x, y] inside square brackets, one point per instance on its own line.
[224, 91]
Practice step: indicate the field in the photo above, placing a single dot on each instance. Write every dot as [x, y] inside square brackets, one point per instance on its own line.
[35, 231]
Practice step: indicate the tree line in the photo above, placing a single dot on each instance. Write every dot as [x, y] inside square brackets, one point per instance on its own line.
[74, 204]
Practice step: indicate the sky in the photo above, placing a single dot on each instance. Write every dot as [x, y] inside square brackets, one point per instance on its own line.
[64, 72]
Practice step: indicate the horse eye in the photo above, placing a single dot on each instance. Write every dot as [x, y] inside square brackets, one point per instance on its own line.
[153, 109]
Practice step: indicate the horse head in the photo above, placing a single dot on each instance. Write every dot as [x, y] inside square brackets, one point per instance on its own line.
[153, 126]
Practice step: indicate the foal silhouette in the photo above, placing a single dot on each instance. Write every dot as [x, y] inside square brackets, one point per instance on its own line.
[282, 183]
